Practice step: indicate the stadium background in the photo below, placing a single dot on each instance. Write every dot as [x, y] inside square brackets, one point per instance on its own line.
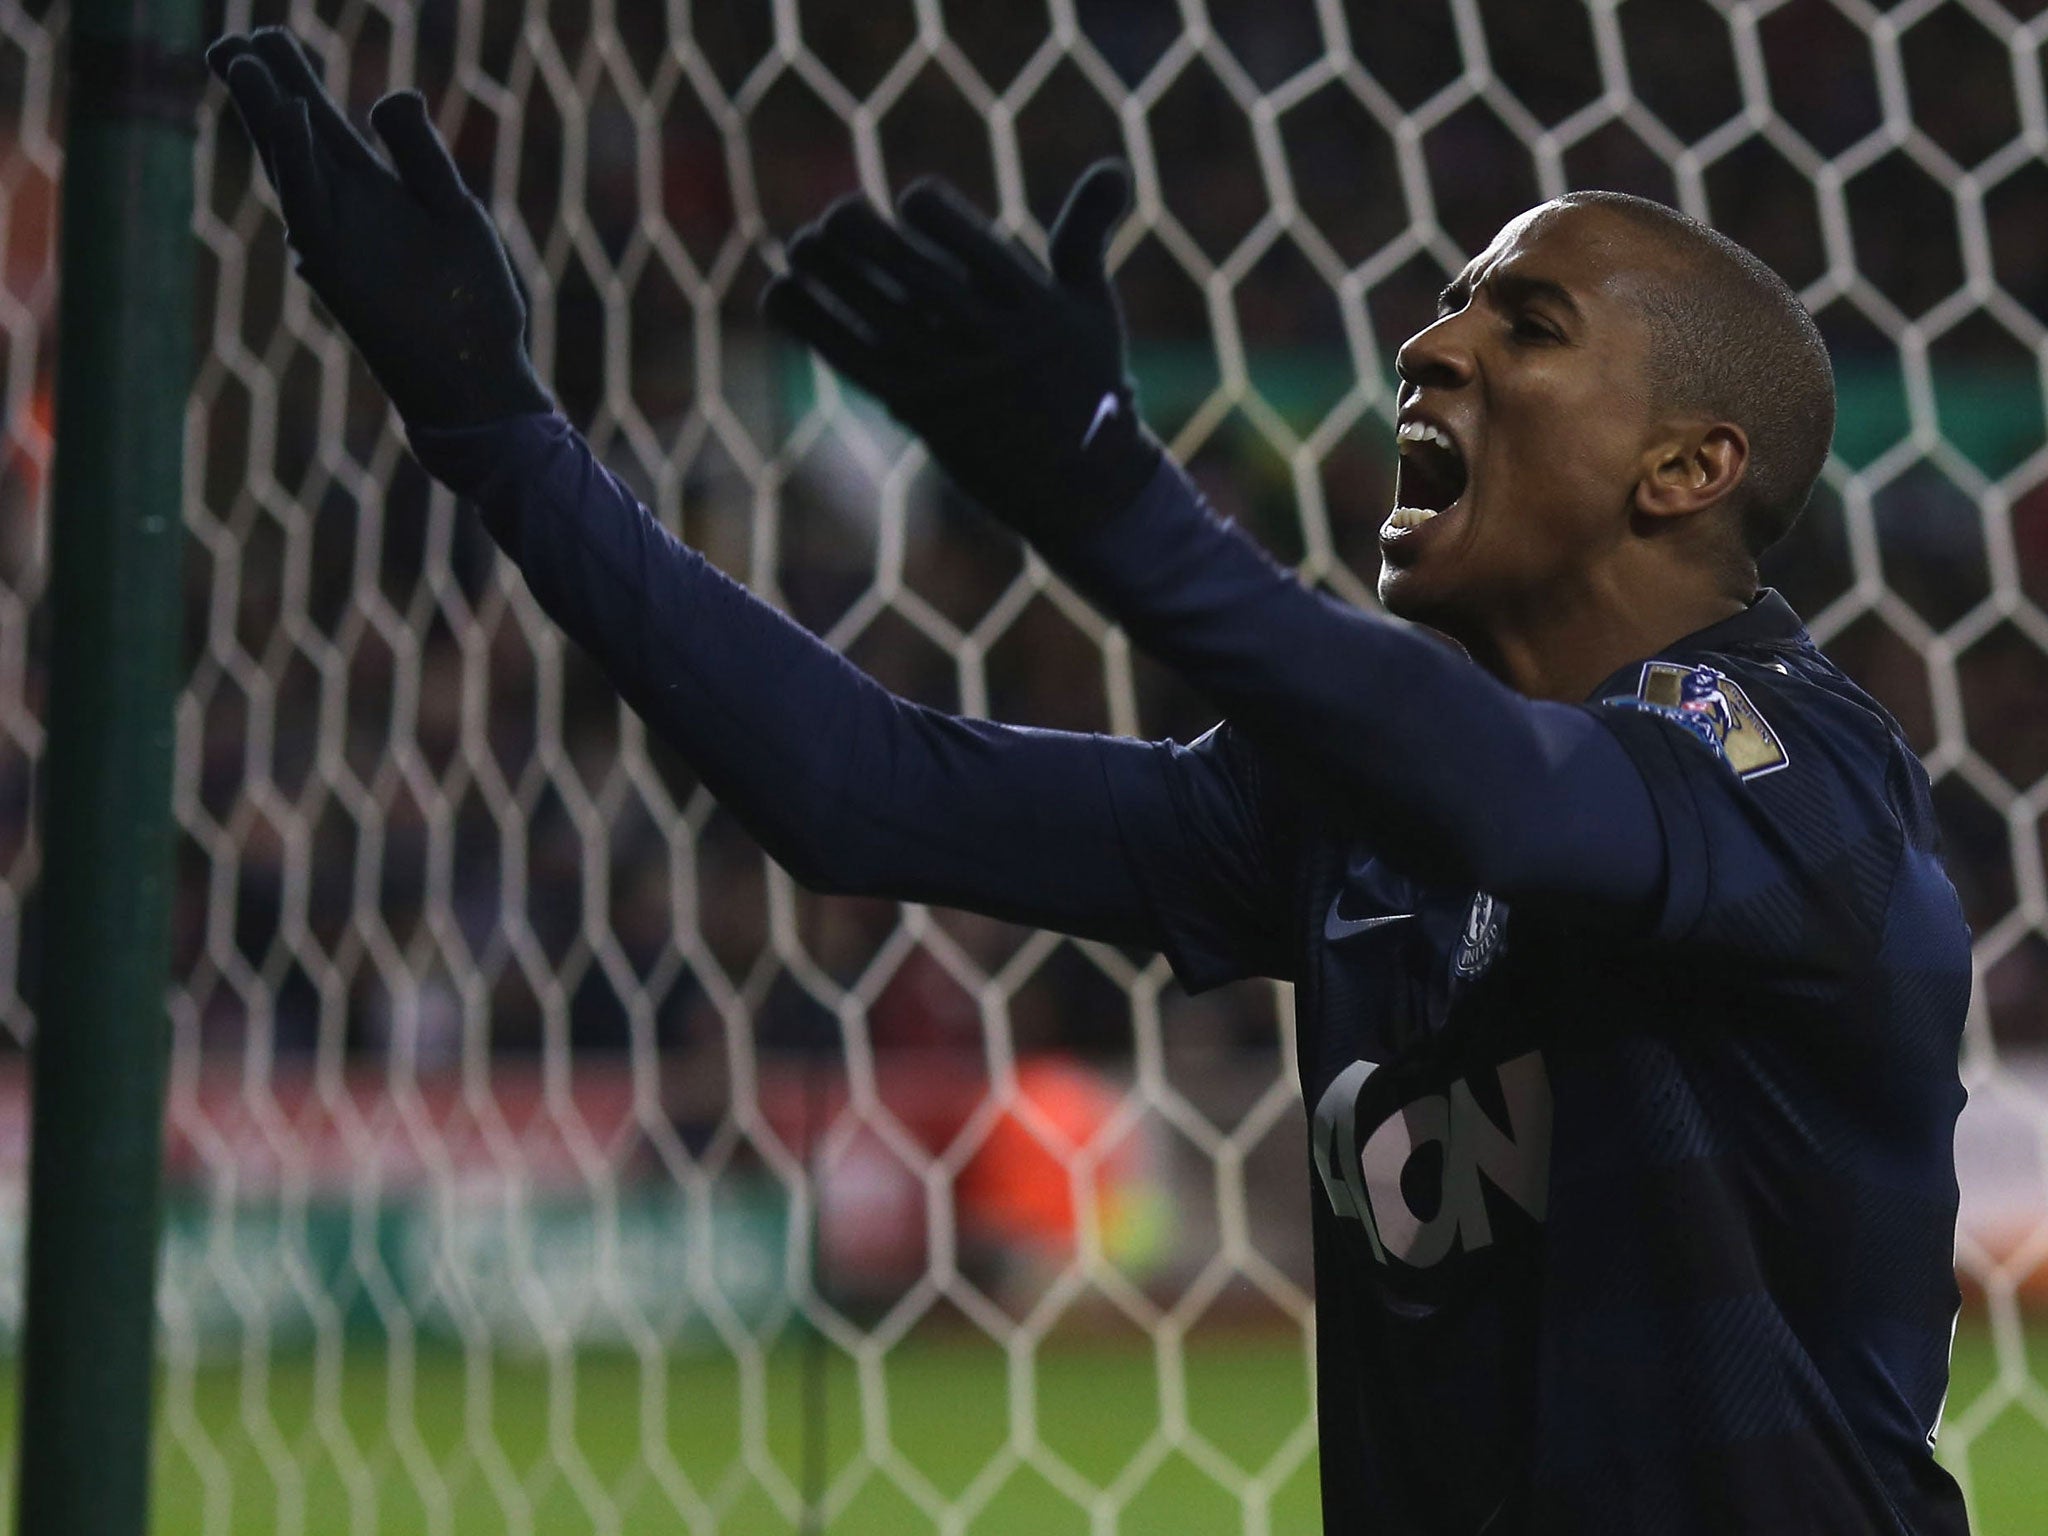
[540, 1158]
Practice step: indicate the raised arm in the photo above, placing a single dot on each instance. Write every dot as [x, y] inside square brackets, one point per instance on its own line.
[1449, 773]
[850, 787]
[1014, 376]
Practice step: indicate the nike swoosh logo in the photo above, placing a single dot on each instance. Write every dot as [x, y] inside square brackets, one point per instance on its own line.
[1105, 410]
[1335, 927]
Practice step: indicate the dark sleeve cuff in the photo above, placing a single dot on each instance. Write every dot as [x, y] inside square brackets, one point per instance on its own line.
[1137, 538]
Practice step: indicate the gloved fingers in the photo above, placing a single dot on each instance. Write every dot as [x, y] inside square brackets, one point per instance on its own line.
[934, 285]
[223, 51]
[421, 158]
[294, 166]
[882, 307]
[935, 210]
[280, 50]
[257, 99]
[220, 58]
[1080, 235]
[279, 127]
[793, 306]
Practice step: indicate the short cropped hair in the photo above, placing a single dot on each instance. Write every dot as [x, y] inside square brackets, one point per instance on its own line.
[1729, 337]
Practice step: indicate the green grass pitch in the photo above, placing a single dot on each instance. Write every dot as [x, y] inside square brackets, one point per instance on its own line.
[520, 1445]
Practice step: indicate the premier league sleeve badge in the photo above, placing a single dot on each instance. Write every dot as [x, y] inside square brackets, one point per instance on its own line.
[1711, 706]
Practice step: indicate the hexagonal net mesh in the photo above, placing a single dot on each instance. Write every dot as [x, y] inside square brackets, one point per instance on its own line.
[541, 1156]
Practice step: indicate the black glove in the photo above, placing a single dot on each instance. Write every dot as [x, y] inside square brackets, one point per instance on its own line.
[1013, 376]
[409, 264]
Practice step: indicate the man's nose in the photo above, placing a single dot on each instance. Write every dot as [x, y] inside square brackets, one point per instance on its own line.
[1435, 356]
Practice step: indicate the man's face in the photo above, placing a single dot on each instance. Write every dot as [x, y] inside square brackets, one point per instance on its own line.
[1524, 417]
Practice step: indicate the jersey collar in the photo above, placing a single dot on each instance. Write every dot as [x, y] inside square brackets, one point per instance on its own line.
[1767, 619]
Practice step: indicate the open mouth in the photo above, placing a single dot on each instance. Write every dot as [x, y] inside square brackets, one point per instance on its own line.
[1431, 477]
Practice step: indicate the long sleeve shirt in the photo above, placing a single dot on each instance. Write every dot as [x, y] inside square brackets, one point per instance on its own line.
[1455, 777]
[1627, 1029]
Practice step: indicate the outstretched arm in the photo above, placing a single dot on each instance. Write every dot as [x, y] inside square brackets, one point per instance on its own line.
[1452, 776]
[1013, 374]
[851, 787]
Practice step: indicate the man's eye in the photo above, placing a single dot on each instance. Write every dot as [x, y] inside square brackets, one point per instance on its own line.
[1529, 328]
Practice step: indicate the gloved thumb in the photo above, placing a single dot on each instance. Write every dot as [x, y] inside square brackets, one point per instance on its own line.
[1080, 235]
[422, 160]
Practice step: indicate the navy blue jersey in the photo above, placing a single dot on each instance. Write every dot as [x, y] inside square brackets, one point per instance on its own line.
[1628, 1032]
[1625, 1222]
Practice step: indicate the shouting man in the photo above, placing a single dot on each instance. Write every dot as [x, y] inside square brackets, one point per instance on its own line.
[1630, 987]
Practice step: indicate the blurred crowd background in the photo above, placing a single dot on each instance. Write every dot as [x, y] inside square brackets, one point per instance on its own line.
[384, 761]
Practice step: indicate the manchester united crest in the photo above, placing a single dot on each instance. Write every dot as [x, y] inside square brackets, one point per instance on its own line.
[1485, 922]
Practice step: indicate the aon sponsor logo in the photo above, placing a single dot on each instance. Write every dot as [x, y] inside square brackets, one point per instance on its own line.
[1363, 1166]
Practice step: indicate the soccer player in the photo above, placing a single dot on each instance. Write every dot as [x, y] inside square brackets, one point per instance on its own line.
[1630, 987]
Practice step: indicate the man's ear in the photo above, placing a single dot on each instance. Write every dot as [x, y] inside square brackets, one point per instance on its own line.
[1692, 468]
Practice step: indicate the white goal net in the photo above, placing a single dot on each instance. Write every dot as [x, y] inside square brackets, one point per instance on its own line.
[540, 1157]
